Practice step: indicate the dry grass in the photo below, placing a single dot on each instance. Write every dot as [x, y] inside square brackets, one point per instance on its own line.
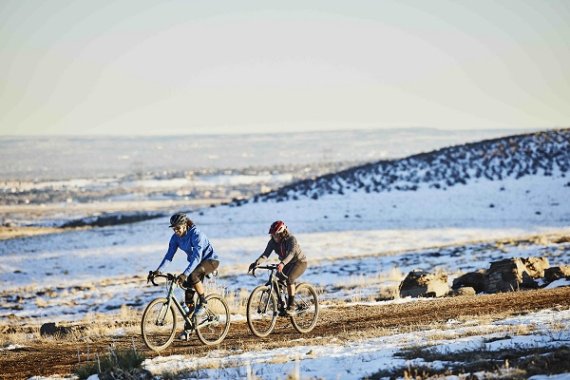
[18, 338]
[237, 300]
[387, 293]
[90, 328]
[515, 363]
[21, 231]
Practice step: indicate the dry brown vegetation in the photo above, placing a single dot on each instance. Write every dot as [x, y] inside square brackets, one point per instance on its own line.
[16, 232]
[48, 356]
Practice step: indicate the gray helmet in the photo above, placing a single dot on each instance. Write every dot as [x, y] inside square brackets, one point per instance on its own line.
[178, 219]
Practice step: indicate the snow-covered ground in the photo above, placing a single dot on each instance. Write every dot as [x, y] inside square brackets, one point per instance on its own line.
[337, 360]
[352, 237]
[357, 238]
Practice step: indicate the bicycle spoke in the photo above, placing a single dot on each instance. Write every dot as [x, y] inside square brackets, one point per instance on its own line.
[213, 327]
[158, 325]
[306, 309]
[261, 311]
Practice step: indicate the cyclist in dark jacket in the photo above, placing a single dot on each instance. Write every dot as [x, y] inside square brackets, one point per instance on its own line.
[293, 261]
[202, 259]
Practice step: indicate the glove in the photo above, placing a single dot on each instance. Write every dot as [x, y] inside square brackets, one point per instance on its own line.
[252, 266]
[181, 279]
[151, 275]
[280, 267]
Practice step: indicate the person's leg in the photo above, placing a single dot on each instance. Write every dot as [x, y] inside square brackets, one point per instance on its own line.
[291, 292]
[199, 287]
[293, 272]
[196, 277]
[189, 296]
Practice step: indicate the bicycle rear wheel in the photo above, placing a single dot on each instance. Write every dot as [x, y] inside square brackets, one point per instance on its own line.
[213, 326]
[261, 311]
[306, 310]
[158, 325]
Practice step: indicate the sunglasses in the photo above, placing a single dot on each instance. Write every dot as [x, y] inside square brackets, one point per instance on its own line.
[178, 228]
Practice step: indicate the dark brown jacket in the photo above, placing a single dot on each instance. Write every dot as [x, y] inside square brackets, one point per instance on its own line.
[287, 249]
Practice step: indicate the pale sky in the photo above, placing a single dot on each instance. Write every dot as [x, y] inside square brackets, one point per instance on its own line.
[171, 67]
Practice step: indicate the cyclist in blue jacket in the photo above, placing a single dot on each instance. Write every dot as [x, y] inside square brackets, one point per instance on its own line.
[201, 256]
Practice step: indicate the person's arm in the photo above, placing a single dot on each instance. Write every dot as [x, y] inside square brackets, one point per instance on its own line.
[172, 247]
[199, 242]
[265, 255]
[291, 248]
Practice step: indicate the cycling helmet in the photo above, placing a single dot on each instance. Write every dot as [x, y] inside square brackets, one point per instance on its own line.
[178, 219]
[277, 227]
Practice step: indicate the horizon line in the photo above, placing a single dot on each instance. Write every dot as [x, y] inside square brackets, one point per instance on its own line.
[309, 131]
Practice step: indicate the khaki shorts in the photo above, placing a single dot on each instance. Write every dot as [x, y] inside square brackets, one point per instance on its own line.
[204, 268]
[294, 270]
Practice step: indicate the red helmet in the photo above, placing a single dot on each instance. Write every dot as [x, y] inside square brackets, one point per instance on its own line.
[277, 227]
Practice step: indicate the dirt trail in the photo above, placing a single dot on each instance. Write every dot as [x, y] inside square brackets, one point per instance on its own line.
[51, 357]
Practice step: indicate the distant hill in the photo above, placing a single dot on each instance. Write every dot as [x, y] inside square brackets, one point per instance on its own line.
[543, 153]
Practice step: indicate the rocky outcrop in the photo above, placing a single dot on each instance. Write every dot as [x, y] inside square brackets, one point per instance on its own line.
[51, 329]
[514, 274]
[555, 273]
[511, 275]
[476, 280]
[419, 283]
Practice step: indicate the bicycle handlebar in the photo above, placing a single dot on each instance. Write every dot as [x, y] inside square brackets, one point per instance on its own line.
[151, 277]
[270, 267]
[172, 277]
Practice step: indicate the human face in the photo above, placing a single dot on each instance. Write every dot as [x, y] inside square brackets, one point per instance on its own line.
[180, 230]
[276, 237]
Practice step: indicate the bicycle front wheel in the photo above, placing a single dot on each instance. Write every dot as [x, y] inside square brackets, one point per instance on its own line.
[213, 326]
[261, 311]
[306, 310]
[158, 325]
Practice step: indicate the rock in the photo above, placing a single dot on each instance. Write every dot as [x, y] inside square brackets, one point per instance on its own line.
[555, 273]
[562, 239]
[419, 283]
[514, 274]
[536, 266]
[475, 280]
[50, 329]
[464, 291]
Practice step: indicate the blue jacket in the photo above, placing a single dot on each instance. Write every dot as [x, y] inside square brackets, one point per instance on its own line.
[197, 248]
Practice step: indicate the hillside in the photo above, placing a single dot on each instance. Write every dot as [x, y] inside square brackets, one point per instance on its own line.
[543, 153]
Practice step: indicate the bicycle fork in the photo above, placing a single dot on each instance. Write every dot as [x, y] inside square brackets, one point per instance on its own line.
[263, 304]
[164, 309]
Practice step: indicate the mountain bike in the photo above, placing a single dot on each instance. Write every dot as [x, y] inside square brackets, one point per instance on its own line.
[267, 302]
[159, 320]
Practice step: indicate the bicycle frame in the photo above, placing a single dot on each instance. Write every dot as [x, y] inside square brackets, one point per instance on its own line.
[276, 287]
[170, 297]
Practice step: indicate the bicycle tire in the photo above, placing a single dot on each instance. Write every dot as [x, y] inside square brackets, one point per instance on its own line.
[158, 325]
[261, 311]
[306, 308]
[212, 327]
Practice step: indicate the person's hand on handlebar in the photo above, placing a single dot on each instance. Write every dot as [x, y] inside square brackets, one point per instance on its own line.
[181, 279]
[252, 267]
[151, 275]
[280, 267]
